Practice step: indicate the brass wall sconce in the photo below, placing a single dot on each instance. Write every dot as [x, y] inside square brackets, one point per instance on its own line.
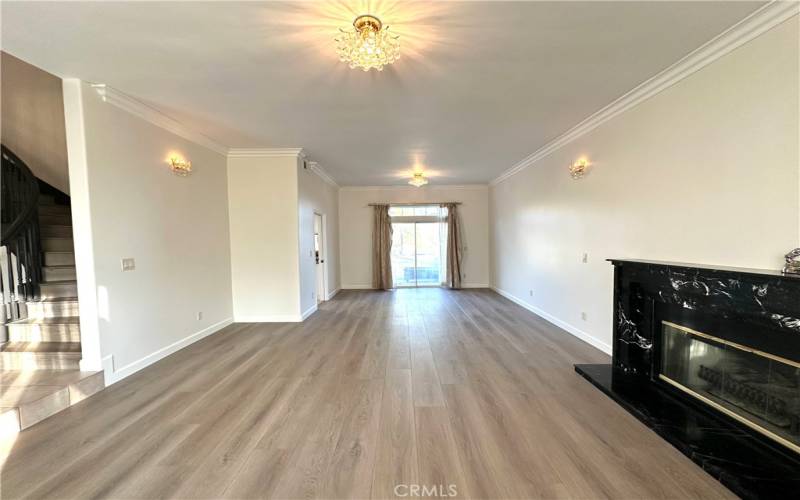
[179, 166]
[579, 168]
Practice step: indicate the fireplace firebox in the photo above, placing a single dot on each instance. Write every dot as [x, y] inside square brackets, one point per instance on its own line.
[756, 388]
[709, 358]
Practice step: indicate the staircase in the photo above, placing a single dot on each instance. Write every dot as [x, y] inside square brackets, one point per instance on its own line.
[39, 359]
[49, 337]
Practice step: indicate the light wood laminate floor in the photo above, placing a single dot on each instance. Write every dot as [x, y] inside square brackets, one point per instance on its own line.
[375, 393]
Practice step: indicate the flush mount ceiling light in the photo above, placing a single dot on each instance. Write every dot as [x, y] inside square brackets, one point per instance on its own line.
[369, 45]
[418, 180]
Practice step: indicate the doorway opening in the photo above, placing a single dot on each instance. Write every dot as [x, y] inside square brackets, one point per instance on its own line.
[419, 234]
[319, 256]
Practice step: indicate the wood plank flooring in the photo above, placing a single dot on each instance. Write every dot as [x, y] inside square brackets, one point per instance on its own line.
[378, 394]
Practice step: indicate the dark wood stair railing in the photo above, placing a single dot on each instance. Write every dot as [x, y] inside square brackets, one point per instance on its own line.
[22, 259]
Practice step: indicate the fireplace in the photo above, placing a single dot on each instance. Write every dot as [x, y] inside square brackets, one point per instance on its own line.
[709, 358]
[756, 388]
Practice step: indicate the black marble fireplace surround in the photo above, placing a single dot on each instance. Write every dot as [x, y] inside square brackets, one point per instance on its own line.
[745, 307]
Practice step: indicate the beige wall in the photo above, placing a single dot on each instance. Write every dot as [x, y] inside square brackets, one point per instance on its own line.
[127, 203]
[355, 223]
[707, 171]
[262, 194]
[32, 121]
[272, 203]
[317, 196]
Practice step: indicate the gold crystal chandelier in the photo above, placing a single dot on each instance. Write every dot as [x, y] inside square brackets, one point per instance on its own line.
[418, 180]
[369, 45]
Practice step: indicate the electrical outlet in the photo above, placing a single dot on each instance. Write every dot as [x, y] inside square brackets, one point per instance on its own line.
[128, 264]
[530, 292]
[585, 258]
[583, 316]
[199, 315]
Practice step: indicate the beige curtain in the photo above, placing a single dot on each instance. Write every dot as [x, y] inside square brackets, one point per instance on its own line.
[453, 274]
[381, 248]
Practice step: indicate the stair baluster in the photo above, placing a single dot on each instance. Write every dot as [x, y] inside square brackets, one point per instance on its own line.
[20, 235]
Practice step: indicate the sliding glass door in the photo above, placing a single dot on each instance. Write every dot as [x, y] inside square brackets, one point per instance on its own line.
[404, 254]
[428, 254]
[418, 246]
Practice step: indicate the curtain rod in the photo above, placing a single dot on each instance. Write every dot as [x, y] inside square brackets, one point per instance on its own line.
[417, 204]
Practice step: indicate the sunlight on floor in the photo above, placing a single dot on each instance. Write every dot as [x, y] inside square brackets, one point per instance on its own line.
[7, 441]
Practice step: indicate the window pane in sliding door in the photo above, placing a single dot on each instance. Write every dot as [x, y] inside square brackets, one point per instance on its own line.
[428, 254]
[403, 272]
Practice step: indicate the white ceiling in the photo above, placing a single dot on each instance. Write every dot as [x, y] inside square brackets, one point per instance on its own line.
[479, 86]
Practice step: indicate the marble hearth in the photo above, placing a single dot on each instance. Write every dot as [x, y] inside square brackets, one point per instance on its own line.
[709, 358]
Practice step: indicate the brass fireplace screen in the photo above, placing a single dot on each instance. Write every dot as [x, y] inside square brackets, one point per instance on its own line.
[756, 388]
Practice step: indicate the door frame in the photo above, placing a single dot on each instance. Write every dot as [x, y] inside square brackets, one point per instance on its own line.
[420, 219]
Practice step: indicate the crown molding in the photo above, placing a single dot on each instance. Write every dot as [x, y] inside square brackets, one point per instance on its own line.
[266, 153]
[317, 169]
[427, 187]
[754, 25]
[127, 103]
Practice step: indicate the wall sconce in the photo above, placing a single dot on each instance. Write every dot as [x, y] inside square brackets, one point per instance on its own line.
[579, 168]
[179, 166]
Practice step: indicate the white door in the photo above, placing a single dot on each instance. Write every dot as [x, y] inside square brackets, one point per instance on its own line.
[319, 256]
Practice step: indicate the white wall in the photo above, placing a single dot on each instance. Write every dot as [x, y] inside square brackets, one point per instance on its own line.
[355, 225]
[317, 196]
[706, 171]
[32, 123]
[263, 201]
[127, 203]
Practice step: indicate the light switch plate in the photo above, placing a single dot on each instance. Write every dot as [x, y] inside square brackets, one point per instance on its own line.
[128, 264]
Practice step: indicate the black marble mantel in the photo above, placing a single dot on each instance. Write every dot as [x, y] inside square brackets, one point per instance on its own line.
[757, 308]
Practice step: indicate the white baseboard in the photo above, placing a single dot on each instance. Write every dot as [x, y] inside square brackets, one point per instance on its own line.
[577, 332]
[332, 294]
[87, 365]
[357, 287]
[112, 374]
[369, 287]
[311, 310]
[108, 369]
[268, 318]
[475, 285]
